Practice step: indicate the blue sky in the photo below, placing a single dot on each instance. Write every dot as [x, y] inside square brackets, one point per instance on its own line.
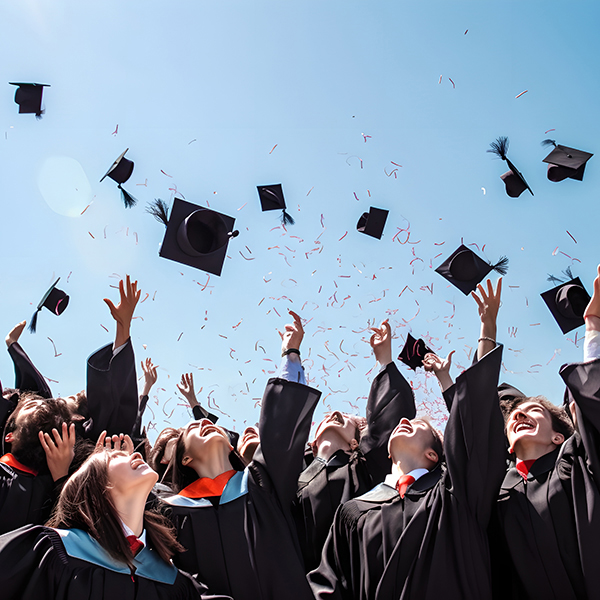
[213, 99]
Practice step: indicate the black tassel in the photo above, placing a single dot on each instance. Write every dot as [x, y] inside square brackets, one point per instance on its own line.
[500, 147]
[286, 218]
[38, 115]
[159, 210]
[569, 273]
[501, 266]
[554, 279]
[33, 323]
[128, 199]
[549, 143]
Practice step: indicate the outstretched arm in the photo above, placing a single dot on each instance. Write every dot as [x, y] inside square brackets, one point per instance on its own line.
[186, 389]
[291, 338]
[440, 367]
[488, 304]
[123, 312]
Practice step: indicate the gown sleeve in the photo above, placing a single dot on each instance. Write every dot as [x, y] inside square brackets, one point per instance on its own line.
[112, 392]
[27, 377]
[390, 399]
[285, 420]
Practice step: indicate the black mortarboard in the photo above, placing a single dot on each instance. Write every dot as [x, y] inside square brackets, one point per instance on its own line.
[271, 198]
[121, 171]
[567, 303]
[413, 352]
[29, 97]
[195, 236]
[54, 300]
[465, 269]
[508, 392]
[373, 222]
[565, 162]
[513, 179]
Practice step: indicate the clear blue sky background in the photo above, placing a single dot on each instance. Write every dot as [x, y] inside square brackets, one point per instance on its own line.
[214, 98]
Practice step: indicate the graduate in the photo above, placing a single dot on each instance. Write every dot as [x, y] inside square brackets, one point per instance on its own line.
[100, 543]
[236, 522]
[42, 441]
[422, 533]
[549, 504]
[349, 459]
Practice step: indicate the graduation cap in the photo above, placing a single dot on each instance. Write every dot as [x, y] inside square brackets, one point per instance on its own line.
[508, 392]
[195, 236]
[567, 303]
[465, 269]
[121, 171]
[271, 198]
[413, 352]
[54, 300]
[373, 222]
[29, 97]
[513, 179]
[565, 162]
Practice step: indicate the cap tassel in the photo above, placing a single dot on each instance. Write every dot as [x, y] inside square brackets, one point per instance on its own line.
[501, 267]
[159, 210]
[500, 147]
[33, 323]
[568, 276]
[128, 199]
[549, 143]
[286, 218]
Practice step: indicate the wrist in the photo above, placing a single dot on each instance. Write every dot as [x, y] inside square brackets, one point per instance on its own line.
[290, 351]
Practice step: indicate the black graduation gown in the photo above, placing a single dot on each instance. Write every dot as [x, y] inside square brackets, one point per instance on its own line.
[323, 486]
[112, 392]
[25, 498]
[38, 563]
[27, 377]
[432, 543]
[244, 544]
[550, 523]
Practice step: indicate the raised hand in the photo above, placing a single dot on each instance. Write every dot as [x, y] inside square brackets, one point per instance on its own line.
[123, 312]
[440, 367]
[15, 333]
[293, 334]
[488, 304]
[592, 312]
[120, 442]
[59, 450]
[381, 342]
[150, 375]
[186, 389]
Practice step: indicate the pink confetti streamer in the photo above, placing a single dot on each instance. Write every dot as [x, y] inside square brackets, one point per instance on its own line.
[242, 206]
[519, 95]
[273, 148]
[116, 130]
[452, 82]
[56, 354]
[549, 130]
[171, 176]
[251, 258]
[571, 236]
[91, 235]
[103, 327]
[180, 336]
[311, 189]
[341, 240]
[85, 208]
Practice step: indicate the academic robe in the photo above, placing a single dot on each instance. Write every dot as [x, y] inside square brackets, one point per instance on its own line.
[112, 392]
[25, 498]
[40, 563]
[433, 543]
[323, 486]
[244, 543]
[27, 377]
[550, 522]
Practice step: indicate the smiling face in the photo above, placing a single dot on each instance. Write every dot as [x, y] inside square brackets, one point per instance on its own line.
[338, 425]
[414, 439]
[128, 473]
[531, 424]
[200, 436]
[248, 443]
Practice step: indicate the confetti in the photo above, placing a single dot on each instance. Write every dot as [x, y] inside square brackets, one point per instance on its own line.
[341, 240]
[483, 190]
[549, 130]
[180, 336]
[86, 208]
[103, 327]
[242, 206]
[116, 130]
[519, 95]
[91, 235]
[273, 148]
[452, 82]
[571, 236]
[145, 184]
[56, 354]
[171, 176]
[192, 141]
[311, 189]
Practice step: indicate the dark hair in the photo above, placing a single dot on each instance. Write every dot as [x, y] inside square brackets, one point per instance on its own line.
[81, 404]
[85, 503]
[182, 476]
[561, 423]
[158, 451]
[438, 439]
[49, 415]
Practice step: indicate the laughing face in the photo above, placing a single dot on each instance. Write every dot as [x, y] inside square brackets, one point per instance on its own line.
[127, 472]
[248, 443]
[199, 436]
[414, 438]
[338, 425]
[531, 424]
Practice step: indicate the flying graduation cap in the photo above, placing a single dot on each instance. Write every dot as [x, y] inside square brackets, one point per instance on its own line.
[121, 171]
[373, 222]
[195, 236]
[271, 198]
[464, 269]
[29, 97]
[567, 303]
[513, 179]
[565, 162]
[413, 352]
[54, 300]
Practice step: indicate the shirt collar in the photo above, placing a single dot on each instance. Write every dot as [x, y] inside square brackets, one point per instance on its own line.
[128, 531]
[392, 478]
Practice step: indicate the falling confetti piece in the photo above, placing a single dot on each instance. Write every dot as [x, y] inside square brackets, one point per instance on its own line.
[192, 141]
[91, 235]
[440, 81]
[273, 148]
[180, 336]
[56, 354]
[571, 236]
[69, 275]
[242, 206]
[549, 130]
[519, 95]
[85, 208]
[343, 238]
[483, 190]
[311, 189]
[116, 130]
[452, 82]
[103, 327]
[171, 176]
[554, 251]
[467, 31]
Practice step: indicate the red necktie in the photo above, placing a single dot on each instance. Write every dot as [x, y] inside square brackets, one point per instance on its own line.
[403, 484]
[524, 466]
[135, 544]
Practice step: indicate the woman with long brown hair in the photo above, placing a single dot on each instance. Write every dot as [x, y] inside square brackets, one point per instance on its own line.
[100, 542]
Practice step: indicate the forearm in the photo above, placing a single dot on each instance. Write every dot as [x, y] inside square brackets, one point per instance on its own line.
[445, 380]
[487, 339]
[122, 334]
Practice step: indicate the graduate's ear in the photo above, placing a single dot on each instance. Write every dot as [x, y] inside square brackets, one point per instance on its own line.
[186, 460]
[558, 438]
[432, 455]
[9, 438]
[353, 444]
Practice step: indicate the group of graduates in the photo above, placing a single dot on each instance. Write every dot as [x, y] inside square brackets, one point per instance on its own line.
[506, 504]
